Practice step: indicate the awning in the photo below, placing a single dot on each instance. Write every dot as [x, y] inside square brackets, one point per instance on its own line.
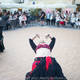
[56, 5]
[61, 5]
[13, 5]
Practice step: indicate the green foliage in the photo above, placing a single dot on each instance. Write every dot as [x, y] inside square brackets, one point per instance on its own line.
[35, 12]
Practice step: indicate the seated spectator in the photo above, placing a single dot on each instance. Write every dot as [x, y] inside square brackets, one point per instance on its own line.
[78, 23]
[22, 20]
[73, 20]
[58, 19]
[62, 22]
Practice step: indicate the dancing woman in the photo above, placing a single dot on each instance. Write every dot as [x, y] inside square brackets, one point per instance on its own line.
[44, 65]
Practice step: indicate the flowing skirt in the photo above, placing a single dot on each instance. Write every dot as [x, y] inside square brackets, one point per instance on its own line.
[45, 68]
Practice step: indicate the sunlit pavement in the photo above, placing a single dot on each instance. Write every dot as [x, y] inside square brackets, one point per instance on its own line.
[17, 58]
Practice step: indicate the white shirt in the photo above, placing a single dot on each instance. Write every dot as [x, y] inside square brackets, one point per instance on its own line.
[43, 52]
[48, 16]
[73, 19]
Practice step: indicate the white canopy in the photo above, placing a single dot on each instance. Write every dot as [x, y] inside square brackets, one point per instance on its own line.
[8, 5]
[56, 5]
[36, 6]
[12, 5]
[61, 5]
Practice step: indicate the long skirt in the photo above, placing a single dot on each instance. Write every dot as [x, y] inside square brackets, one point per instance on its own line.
[45, 68]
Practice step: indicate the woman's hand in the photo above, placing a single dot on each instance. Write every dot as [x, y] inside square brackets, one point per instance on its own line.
[48, 36]
[35, 36]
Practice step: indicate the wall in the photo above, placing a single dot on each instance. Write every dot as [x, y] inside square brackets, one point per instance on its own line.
[6, 1]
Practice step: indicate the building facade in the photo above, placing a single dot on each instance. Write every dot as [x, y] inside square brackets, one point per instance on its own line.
[39, 2]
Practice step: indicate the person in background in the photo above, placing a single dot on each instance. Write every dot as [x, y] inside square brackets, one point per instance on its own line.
[5, 18]
[48, 18]
[58, 18]
[42, 17]
[44, 65]
[78, 22]
[73, 20]
[1, 36]
[54, 19]
[51, 19]
[1, 41]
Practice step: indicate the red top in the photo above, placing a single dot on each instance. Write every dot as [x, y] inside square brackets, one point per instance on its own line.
[42, 46]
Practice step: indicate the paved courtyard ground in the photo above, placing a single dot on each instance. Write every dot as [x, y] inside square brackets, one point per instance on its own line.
[18, 56]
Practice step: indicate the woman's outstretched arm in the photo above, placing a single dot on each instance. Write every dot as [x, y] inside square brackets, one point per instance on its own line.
[32, 44]
[52, 43]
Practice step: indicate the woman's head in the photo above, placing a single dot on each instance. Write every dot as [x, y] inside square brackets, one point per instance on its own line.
[42, 42]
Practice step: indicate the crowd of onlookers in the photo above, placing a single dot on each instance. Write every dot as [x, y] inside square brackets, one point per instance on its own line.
[9, 20]
[51, 18]
[63, 18]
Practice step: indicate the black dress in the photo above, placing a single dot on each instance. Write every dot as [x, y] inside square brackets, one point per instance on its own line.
[42, 16]
[54, 71]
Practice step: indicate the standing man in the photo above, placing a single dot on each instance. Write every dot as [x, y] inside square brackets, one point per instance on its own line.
[1, 41]
[1, 35]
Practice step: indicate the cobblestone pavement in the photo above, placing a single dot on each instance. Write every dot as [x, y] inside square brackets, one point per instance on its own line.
[18, 56]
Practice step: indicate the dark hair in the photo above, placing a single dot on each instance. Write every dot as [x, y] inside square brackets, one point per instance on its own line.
[78, 19]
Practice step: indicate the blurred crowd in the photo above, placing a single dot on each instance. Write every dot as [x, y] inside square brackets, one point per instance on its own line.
[10, 20]
[17, 19]
[63, 18]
